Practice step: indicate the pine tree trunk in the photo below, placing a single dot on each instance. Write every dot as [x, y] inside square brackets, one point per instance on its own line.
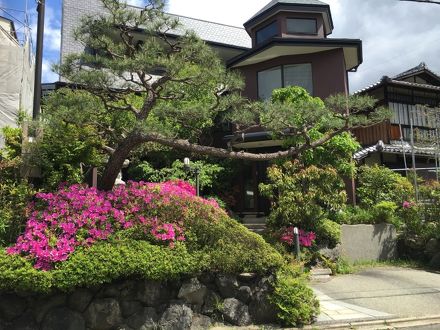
[116, 161]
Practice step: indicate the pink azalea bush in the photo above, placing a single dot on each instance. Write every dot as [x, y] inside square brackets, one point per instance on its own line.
[305, 238]
[80, 216]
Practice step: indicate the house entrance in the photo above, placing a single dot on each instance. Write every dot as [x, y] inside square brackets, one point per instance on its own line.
[251, 201]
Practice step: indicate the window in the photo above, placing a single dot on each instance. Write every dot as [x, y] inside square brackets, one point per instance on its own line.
[269, 80]
[301, 25]
[267, 32]
[299, 75]
[283, 76]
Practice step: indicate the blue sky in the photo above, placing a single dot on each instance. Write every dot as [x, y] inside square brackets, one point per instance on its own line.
[52, 33]
[396, 35]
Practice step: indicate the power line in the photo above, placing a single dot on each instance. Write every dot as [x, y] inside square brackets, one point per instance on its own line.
[12, 16]
[12, 9]
[425, 1]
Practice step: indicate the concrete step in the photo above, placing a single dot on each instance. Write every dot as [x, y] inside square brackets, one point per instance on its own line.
[320, 271]
[255, 227]
[253, 219]
[320, 275]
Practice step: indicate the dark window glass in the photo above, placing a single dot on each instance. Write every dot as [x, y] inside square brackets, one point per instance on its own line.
[301, 25]
[268, 80]
[267, 32]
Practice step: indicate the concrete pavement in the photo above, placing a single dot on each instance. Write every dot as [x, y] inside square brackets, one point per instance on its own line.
[379, 294]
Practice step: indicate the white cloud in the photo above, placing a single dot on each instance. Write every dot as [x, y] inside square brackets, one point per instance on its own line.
[52, 29]
[48, 75]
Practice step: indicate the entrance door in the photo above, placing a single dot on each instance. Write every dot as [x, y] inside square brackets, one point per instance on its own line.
[252, 175]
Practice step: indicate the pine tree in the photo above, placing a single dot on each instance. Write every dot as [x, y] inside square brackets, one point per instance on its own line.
[155, 82]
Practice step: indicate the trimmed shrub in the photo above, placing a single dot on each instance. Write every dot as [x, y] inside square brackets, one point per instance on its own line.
[296, 302]
[108, 261]
[18, 274]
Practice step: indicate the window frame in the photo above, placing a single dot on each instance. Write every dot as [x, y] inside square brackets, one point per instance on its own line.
[282, 76]
[275, 23]
[303, 19]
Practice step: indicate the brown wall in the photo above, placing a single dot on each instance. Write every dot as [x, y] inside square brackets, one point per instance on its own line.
[282, 25]
[371, 135]
[328, 70]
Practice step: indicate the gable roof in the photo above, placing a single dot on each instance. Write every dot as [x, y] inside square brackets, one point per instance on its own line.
[422, 68]
[390, 81]
[399, 80]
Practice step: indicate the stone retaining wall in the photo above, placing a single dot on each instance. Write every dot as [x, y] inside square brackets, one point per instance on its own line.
[368, 242]
[195, 303]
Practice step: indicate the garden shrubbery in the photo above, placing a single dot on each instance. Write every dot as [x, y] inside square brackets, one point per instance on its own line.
[296, 302]
[82, 237]
[378, 184]
[304, 197]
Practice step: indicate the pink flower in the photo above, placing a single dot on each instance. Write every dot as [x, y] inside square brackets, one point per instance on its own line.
[407, 205]
[80, 216]
[305, 238]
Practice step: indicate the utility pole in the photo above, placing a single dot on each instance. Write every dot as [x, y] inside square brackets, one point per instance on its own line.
[38, 60]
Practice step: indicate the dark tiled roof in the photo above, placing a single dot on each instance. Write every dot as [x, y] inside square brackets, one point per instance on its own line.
[395, 147]
[422, 67]
[289, 2]
[361, 154]
[397, 80]
[398, 83]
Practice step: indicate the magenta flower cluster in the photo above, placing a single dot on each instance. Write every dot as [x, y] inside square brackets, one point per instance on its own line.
[408, 205]
[80, 216]
[305, 238]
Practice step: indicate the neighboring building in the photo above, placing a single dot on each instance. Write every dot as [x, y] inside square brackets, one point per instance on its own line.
[286, 43]
[408, 95]
[16, 75]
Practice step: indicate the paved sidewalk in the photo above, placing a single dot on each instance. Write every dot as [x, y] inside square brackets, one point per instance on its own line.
[380, 298]
[336, 311]
[397, 291]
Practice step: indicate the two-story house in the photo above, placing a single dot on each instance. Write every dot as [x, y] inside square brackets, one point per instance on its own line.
[284, 44]
[412, 134]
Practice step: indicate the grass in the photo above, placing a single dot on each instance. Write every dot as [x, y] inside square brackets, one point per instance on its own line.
[345, 267]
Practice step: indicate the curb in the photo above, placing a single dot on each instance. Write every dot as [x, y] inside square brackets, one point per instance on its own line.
[389, 324]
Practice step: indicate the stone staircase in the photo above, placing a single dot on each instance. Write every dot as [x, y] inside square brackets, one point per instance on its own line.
[254, 222]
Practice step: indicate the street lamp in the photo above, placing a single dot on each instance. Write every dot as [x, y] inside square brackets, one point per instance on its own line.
[193, 170]
[297, 250]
